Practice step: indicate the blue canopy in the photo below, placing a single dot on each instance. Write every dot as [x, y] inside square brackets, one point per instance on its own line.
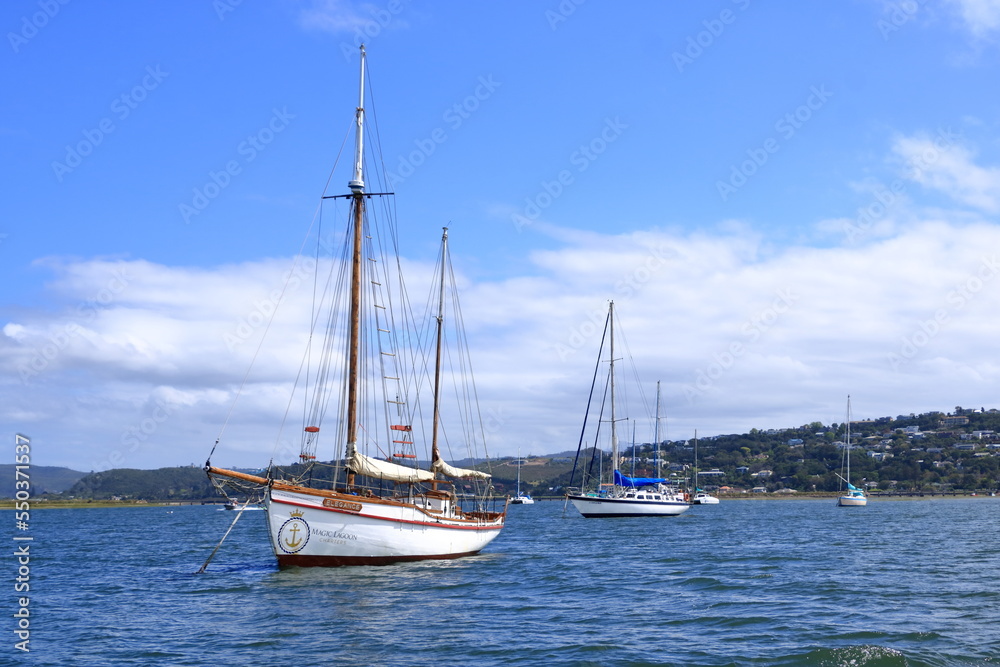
[622, 480]
[852, 487]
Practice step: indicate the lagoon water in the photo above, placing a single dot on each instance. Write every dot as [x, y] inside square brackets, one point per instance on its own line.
[746, 582]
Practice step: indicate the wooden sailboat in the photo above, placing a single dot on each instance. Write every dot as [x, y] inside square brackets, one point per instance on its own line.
[370, 507]
[624, 496]
[852, 496]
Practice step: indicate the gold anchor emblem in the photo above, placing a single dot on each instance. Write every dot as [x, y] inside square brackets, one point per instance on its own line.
[294, 533]
[293, 543]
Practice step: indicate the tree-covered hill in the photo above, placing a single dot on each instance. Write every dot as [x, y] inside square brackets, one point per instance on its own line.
[934, 451]
[931, 452]
[128, 484]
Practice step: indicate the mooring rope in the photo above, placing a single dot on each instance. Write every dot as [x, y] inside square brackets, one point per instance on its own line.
[212, 555]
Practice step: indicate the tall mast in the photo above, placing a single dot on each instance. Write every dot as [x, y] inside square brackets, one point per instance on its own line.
[435, 454]
[656, 430]
[614, 432]
[357, 186]
[848, 480]
[696, 460]
[518, 472]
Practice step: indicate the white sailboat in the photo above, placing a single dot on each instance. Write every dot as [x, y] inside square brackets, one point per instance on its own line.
[370, 507]
[521, 499]
[852, 496]
[701, 497]
[624, 496]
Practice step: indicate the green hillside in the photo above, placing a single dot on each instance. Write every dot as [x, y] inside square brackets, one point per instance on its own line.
[128, 484]
[930, 452]
[43, 479]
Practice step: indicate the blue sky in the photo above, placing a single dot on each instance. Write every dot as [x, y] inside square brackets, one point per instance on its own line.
[788, 204]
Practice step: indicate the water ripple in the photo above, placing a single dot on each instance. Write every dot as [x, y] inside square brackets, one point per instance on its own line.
[776, 583]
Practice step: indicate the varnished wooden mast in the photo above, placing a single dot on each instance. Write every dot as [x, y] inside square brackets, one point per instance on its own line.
[357, 186]
[435, 453]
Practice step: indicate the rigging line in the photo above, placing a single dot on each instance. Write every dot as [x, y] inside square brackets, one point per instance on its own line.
[373, 131]
[316, 397]
[447, 348]
[590, 398]
[321, 390]
[598, 452]
[420, 351]
[288, 278]
[304, 364]
[388, 362]
[314, 319]
[473, 418]
[388, 346]
[406, 336]
[632, 365]
[307, 353]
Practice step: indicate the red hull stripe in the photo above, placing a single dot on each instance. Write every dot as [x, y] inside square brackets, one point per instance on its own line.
[292, 560]
[434, 524]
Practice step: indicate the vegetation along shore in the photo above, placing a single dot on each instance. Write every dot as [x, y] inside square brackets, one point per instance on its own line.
[935, 454]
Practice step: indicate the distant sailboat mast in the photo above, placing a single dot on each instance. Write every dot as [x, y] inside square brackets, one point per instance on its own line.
[626, 496]
[614, 431]
[633, 449]
[848, 450]
[656, 430]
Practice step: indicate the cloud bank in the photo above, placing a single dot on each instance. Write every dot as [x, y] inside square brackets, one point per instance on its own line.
[137, 364]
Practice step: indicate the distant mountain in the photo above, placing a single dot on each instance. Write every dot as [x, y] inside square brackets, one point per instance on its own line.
[43, 479]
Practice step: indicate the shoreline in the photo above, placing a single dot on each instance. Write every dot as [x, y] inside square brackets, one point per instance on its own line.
[37, 504]
[102, 504]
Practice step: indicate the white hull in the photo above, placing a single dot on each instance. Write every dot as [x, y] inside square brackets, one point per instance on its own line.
[595, 507]
[339, 529]
[522, 500]
[704, 499]
[853, 496]
[852, 501]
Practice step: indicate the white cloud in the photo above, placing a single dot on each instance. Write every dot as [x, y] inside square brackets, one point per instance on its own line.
[331, 16]
[739, 339]
[940, 163]
[981, 17]
[137, 364]
[366, 20]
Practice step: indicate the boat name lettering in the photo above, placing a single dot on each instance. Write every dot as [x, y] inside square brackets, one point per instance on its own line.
[342, 505]
[338, 534]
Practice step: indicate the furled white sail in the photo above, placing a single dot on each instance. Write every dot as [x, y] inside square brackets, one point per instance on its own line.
[442, 467]
[393, 472]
